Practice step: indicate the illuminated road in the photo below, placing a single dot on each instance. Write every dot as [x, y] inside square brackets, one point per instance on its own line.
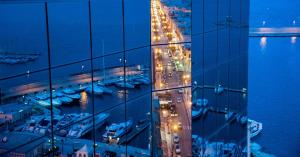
[172, 70]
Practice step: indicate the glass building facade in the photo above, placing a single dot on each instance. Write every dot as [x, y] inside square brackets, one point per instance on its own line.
[123, 78]
[219, 77]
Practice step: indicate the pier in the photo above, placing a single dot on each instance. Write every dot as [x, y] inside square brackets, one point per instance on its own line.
[274, 32]
[74, 80]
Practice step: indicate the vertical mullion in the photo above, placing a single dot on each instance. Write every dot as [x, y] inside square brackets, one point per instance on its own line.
[92, 75]
[124, 65]
[49, 74]
[151, 82]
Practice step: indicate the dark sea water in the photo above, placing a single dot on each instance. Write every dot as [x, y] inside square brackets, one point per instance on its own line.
[274, 83]
[274, 97]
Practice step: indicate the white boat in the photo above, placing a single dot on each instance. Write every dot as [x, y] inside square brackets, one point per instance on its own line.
[242, 119]
[115, 130]
[32, 123]
[99, 83]
[74, 96]
[63, 126]
[44, 126]
[97, 90]
[123, 84]
[229, 115]
[200, 102]
[44, 103]
[219, 89]
[196, 112]
[255, 127]
[61, 97]
[86, 125]
[66, 100]
[56, 102]
[105, 89]
[42, 96]
[68, 91]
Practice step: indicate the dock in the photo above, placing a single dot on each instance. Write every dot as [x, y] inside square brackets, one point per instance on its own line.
[274, 32]
[74, 80]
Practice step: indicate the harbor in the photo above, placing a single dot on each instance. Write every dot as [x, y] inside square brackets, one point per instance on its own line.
[69, 102]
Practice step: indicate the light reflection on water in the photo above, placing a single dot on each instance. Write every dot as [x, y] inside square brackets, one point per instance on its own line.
[83, 100]
[273, 85]
[293, 40]
[263, 42]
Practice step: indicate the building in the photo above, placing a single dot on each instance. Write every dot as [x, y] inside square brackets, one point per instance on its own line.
[123, 58]
[220, 74]
[18, 144]
[14, 112]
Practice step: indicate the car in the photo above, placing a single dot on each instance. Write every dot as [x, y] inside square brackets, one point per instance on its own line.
[176, 138]
[177, 149]
[173, 113]
[180, 91]
[179, 100]
[180, 125]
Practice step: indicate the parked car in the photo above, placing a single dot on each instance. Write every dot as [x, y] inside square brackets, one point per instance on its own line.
[176, 138]
[180, 91]
[179, 100]
[180, 125]
[177, 149]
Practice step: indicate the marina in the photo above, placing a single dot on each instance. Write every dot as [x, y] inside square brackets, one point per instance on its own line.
[68, 99]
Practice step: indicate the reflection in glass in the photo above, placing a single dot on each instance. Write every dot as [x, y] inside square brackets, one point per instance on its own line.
[263, 42]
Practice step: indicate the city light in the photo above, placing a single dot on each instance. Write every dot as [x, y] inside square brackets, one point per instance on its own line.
[263, 42]
[293, 40]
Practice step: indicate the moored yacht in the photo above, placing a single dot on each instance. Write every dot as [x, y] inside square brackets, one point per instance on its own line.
[86, 125]
[44, 126]
[62, 97]
[219, 89]
[242, 119]
[196, 112]
[229, 116]
[66, 100]
[75, 96]
[200, 102]
[97, 90]
[47, 103]
[255, 127]
[123, 84]
[63, 126]
[68, 90]
[42, 96]
[116, 130]
[32, 123]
